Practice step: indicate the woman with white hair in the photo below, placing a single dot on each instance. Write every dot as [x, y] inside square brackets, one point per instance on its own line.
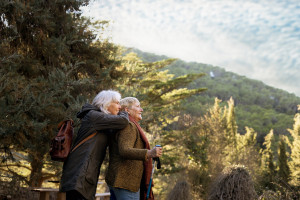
[130, 157]
[82, 167]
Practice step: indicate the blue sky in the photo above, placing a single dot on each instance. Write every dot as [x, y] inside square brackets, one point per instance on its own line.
[256, 38]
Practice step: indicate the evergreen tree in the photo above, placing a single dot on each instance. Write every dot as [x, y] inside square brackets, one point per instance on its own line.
[267, 162]
[213, 143]
[284, 170]
[248, 151]
[231, 122]
[231, 134]
[206, 141]
[295, 151]
[212, 126]
[51, 62]
[160, 94]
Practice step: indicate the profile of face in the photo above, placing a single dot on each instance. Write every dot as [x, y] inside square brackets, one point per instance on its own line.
[114, 107]
[135, 111]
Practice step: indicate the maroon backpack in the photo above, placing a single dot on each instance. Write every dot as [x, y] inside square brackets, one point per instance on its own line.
[62, 142]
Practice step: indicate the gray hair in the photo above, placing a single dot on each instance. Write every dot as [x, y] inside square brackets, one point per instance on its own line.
[127, 102]
[104, 98]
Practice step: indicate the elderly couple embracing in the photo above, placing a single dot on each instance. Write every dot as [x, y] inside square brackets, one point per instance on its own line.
[115, 122]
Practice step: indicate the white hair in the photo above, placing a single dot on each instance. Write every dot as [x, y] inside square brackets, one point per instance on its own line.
[127, 102]
[104, 98]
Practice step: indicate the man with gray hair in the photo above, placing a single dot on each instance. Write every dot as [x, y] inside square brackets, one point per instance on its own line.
[82, 167]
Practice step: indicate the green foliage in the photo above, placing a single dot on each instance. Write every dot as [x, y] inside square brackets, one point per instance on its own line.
[212, 143]
[257, 105]
[295, 151]
[248, 151]
[268, 169]
[51, 62]
[160, 94]
[284, 172]
[233, 134]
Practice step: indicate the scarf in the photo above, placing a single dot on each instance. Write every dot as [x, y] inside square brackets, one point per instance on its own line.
[147, 166]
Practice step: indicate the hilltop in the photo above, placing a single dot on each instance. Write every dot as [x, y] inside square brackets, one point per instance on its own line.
[257, 105]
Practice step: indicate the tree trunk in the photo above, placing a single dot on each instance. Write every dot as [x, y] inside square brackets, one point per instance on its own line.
[36, 171]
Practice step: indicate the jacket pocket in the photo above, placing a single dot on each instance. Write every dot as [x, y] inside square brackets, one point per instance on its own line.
[92, 172]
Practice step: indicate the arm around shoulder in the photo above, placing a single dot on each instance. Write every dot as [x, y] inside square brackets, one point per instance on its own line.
[102, 121]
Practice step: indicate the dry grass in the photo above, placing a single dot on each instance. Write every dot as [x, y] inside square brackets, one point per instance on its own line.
[234, 183]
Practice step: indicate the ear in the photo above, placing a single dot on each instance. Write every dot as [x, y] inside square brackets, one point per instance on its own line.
[126, 109]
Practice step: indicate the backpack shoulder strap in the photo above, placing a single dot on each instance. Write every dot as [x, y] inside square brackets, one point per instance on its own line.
[84, 140]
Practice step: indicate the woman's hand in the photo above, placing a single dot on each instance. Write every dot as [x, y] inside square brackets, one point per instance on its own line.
[155, 152]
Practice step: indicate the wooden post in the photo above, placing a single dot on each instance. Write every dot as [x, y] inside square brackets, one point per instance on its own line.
[61, 196]
[44, 195]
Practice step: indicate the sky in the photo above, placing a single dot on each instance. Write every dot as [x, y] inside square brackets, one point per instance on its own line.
[259, 39]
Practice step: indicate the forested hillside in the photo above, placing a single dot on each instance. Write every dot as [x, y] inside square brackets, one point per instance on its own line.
[257, 105]
[209, 122]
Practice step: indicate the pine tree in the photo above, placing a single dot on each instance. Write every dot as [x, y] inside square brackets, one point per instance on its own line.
[284, 170]
[268, 168]
[295, 151]
[248, 151]
[208, 138]
[160, 94]
[51, 62]
[213, 143]
[204, 143]
[231, 134]
[231, 122]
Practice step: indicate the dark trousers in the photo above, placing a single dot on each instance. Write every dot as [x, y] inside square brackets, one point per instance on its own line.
[74, 195]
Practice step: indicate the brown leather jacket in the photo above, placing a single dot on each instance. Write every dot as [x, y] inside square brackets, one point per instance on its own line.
[126, 155]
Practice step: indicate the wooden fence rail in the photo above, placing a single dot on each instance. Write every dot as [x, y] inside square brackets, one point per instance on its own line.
[45, 193]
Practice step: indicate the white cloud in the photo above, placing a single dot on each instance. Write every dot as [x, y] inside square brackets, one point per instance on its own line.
[259, 39]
